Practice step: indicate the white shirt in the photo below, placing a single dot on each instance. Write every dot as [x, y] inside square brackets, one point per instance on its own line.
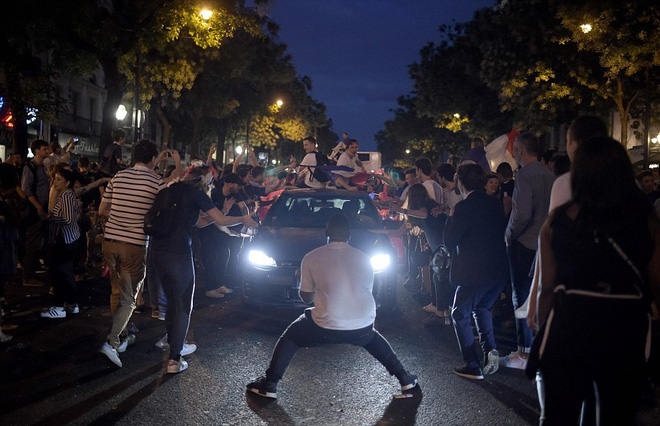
[348, 161]
[561, 191]
[342, 280]
[310, 160]
[434, 190]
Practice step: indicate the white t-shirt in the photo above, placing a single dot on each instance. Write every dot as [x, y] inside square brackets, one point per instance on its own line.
[310, 160]
[342, 280]
[561, 191]
[434, 190]
[348, 161]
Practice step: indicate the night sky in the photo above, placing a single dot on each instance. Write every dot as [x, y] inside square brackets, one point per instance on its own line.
[357, 52]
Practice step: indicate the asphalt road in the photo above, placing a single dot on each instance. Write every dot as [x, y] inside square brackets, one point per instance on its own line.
[51, 373]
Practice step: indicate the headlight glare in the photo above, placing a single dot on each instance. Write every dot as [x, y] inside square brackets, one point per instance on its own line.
[380, 262]
[261, 260]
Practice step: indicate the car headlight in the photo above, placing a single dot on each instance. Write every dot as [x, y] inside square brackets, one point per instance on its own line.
[380, 262]
[261, 260]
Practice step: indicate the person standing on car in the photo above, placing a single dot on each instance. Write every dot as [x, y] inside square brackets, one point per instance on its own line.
[308, 165]
[339, 280]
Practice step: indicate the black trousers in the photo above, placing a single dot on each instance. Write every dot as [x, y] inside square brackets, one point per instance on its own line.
[61, 272]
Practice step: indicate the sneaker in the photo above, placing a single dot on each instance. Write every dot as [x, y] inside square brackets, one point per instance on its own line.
[175, 367]
[430, 308]
[129, 340]
[161, 315]
[162, 343]
[111, 353]
[154, 313]
[263, 387]
[73, 309]
[54, 312]
[493, 362]
[216, 294]
[474, 373]
[188, 348]
[132, 329]
[514, 360]
[33, 282]
[225, 290]
[408, 381]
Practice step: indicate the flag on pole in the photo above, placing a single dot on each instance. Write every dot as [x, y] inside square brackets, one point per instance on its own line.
[501, 150]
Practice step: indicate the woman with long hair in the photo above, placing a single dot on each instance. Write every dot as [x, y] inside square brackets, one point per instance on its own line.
[600, 267]
[63, 238]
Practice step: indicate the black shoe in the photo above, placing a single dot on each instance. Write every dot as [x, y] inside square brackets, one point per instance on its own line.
[474, 373]
[263, 387]
[408, 381]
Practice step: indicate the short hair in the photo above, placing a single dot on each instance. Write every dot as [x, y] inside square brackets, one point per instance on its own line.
[505, 170]
[418, 196]
[351, 142]
[338, 228]
[83, 161]
[36, 145]
[311, 139]
[472, 176]
[477, 142]
[530, 142]
[410, 171]
[447, 171]
[644, 173]
[491, 175]
[560, 164]
[257, 171]
[145, 150]
[118, 134]
[587, 127]
[425, 165]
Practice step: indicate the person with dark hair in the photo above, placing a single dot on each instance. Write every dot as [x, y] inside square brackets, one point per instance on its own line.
[450, 194]
[547, 156]
[647, 185]
[173, 261]
[424, 169]
[112, 156]
[59, 154]
[505, 173]
[349, 159]
[475, 234]
[344, 310]
[477, 153]
[599, 255]
[531, 198]
[307, 168]
[63, 237]
[35, 184]
[492, 186]
[128, 197]
[560, 164]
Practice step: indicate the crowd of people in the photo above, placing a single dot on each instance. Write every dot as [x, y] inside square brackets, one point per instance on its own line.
[571, 238]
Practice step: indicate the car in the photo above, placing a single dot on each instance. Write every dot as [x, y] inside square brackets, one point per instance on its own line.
[294, 226]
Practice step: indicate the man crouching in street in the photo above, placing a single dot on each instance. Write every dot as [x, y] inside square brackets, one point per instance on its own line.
[339, 280]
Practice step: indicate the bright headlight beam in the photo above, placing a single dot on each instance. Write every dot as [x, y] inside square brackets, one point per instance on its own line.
[261, 260]
[380, 262]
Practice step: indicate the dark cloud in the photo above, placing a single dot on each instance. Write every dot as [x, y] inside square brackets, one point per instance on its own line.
[357, 52]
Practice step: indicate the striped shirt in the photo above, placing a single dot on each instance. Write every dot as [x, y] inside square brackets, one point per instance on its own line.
[64, 218]
[130, 194]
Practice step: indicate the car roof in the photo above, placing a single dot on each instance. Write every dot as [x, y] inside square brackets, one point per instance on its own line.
[323, 192]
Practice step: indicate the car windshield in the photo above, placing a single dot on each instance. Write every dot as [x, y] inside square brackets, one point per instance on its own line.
[313, 211]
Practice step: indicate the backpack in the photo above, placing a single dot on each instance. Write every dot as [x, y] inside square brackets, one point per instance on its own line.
[109, 166]
[164, 214]
[317, 173]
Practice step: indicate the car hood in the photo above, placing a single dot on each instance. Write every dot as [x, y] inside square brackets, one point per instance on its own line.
[292, 244]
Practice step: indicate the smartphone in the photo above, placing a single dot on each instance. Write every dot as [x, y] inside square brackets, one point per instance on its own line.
[169, 154]
[76, 141]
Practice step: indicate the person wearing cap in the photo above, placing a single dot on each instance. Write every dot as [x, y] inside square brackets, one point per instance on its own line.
[349, 159]
[339, 280]
[215, 242]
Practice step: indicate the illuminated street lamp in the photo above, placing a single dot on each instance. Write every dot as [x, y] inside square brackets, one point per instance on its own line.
[407, 151]
[206, 14]
[279, 102]
[457, 115]
[121, 113]
[585, 28]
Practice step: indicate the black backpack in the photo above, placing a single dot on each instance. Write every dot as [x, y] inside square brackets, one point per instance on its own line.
[165, 213]
[317, 173]
[109, 166]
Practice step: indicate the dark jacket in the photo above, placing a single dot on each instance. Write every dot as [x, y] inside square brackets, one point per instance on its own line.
[476, 232]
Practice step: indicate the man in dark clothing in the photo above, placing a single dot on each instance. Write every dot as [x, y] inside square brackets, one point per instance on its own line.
[479, 268]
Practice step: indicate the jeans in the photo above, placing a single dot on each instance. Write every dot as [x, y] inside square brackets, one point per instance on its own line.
[215, 255]
[476, 302]
[303, 332]
[127, 266]
[157, 298]
[176, 273]
[521, 260]
[61, 271]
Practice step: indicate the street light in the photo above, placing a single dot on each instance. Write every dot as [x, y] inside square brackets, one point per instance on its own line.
[279, 102]
[407, 151]
[457, 115]
[206, 14]
[585, 28]
[121, 113]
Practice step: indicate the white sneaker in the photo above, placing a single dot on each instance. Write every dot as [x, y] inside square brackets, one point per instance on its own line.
[188, 349]
[216, 294]
[73, 309]
[430, 308]
[493, 362]
[225, 290]
[54, 312]
[514, 360]
[129, 340]
[176, 366]
[111, 353]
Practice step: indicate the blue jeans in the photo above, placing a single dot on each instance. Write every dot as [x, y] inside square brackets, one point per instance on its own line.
[303, 332]
[176, 272]
[476, 302]
[521, 260]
